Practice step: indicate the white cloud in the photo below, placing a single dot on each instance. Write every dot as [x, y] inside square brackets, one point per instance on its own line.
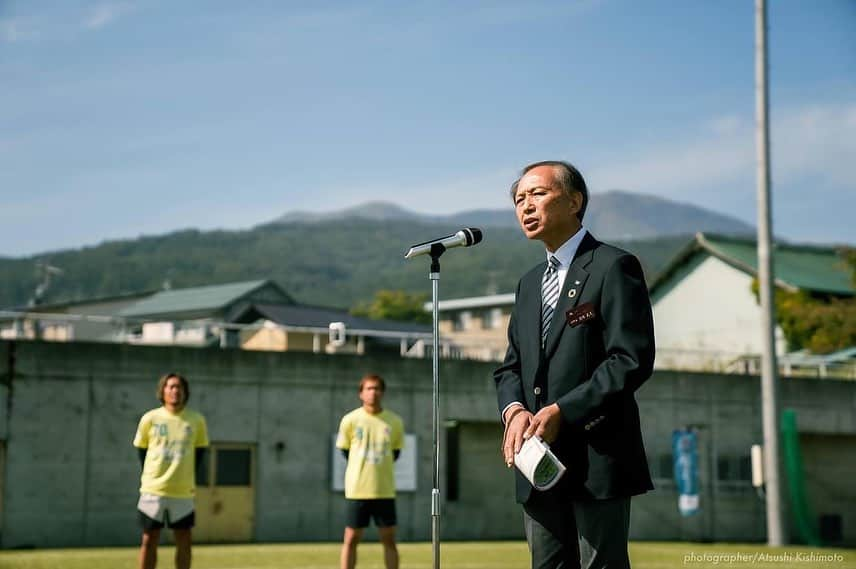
[713, 156]
[815, 142]
[103, 15]
[726, 124]
[505, 13]
[9, 31]
[711, 165]
[486, 189]
[15, 31]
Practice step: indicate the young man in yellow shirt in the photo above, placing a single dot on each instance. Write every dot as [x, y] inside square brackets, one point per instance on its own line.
[171, 441]
[371, 438]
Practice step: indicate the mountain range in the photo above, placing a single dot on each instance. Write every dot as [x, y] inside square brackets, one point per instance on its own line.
[341, 258]
[614, 214]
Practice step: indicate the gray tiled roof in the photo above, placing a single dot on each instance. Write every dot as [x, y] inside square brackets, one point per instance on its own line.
[318, 317]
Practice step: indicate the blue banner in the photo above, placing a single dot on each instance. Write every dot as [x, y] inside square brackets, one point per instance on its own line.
[685, 455]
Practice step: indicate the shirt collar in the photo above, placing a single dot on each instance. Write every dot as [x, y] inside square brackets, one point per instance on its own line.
[566, 252]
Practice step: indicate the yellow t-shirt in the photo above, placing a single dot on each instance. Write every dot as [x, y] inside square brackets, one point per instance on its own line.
[171, 440]
[370, 440]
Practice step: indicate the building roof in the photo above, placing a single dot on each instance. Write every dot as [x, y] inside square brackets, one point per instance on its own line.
[319, 317]
[805, 357]
[795, 267]
[70, 305]
[210, 298]
[473, 302]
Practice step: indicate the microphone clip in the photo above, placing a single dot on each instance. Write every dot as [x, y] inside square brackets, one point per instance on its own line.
[437, 249]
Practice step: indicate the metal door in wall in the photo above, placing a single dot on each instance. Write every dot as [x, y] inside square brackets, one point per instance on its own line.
[479, 490]
[2, 480]
[225, 496]
[829, 461]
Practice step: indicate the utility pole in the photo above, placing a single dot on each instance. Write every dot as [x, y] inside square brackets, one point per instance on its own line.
[769, 380]
[45, 271]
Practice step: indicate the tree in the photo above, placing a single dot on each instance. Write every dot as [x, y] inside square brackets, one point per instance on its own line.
[395, 305]
[850, 258]
[819, 324]
[822, 326]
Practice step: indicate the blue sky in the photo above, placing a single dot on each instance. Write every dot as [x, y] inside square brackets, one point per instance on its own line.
[125, 118]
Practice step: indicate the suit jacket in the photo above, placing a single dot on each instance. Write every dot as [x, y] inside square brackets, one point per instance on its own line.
[591, 369]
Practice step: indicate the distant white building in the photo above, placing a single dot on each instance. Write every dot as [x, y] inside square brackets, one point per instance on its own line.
[252, 315]
[706, 314]
[476, 327]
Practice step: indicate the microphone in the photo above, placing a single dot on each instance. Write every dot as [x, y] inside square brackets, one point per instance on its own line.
[463, 238]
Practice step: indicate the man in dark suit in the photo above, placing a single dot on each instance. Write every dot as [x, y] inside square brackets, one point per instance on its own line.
[580, 342]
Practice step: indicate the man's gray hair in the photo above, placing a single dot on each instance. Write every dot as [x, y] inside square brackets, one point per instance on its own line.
[567, 176]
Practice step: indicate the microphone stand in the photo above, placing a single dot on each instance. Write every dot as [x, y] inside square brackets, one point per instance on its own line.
[436, 251]
[465, 237]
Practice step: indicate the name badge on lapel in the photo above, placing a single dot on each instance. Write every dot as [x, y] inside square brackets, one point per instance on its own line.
[582, 313]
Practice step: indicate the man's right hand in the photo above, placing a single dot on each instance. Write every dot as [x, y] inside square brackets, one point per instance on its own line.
[517, 421]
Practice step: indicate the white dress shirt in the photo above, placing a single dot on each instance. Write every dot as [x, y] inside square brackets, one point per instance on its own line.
[565, 254]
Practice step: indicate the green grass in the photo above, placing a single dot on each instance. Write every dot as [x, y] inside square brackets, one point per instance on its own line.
[457, 555]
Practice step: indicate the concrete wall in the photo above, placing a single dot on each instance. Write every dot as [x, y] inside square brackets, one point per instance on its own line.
[71, 475]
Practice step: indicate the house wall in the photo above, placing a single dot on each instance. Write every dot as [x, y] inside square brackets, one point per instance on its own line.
[708, 317]
[85, 330]
[476, 334]
[301, 341]
[88, 331]
[269, 339]
[273, 339]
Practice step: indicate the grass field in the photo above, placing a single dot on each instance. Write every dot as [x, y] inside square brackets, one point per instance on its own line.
[454, 555]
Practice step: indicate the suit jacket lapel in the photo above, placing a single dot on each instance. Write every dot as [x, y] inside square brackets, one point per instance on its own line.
[575, 280]
[530, 312]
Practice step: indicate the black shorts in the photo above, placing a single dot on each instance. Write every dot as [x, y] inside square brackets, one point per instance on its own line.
[148, 523]
[358, 513]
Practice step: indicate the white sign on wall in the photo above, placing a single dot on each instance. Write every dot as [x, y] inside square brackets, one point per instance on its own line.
[405, 466]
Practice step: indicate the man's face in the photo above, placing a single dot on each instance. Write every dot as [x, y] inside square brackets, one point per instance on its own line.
[371, 393]
[544, 211]
[173, 392]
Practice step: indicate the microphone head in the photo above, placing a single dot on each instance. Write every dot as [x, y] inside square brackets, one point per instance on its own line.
[473, 235]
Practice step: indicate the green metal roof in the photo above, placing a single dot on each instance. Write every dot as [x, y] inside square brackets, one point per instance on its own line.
[806, 267]
[196, 299]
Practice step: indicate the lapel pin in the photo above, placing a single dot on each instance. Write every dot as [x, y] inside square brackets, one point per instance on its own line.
[572, 293]
[576, 282]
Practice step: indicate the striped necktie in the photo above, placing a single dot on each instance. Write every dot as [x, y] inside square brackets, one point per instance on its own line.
[549, 296]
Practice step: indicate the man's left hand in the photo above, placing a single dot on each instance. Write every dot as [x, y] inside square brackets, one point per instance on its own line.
[545, 424]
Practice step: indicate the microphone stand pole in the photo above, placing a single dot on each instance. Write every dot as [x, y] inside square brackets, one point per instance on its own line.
[434, 275]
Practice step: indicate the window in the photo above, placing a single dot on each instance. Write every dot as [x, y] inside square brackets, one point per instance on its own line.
[491, 318]
[462, 320]
[734, 468]
[665, 467]
[229, 467]
[233, 467]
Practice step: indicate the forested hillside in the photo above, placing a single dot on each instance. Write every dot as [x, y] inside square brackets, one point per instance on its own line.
[332, 262]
